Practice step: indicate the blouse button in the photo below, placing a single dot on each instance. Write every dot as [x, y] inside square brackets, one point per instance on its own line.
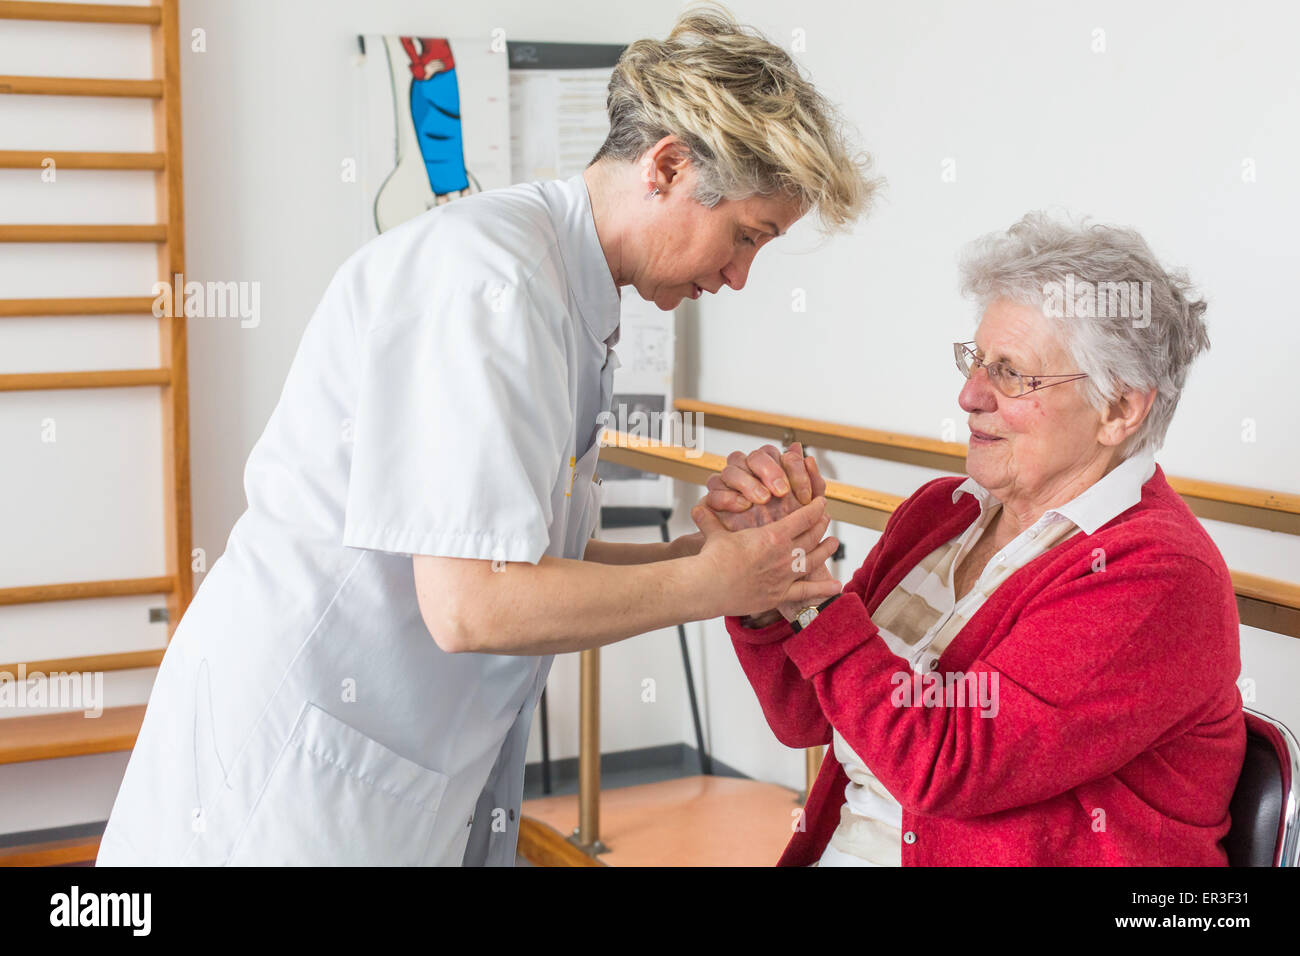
[909, 837]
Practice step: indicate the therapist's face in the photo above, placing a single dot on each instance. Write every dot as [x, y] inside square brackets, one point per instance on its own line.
[689, 250]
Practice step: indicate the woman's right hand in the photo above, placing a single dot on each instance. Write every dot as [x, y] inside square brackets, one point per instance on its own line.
[751, 571]
[763, 486]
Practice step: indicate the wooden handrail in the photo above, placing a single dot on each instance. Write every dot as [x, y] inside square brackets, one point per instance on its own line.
[80, 86]
[1261, 602]
[542, 845]
[100, 305]
[52, 852]
[860, 506]
[80, 12]
[109, 378]
[43, 232]
[79, 159]
[1253, 507]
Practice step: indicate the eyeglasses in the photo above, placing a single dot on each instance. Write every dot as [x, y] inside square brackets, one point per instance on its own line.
[1004, 378]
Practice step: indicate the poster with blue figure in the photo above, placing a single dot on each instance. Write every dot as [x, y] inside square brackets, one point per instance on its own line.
[435, 112]
[436, 124]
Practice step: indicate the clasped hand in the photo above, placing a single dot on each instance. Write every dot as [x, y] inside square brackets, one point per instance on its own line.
[762, 521]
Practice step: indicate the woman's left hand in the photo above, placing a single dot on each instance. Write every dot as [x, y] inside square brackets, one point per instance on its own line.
[686, 545]
[820, 573]
[763, 486]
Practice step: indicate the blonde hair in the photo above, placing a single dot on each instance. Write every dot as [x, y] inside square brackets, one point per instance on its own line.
[753, 124]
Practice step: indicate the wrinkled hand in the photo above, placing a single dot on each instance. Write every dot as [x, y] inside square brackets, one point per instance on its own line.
[817, 575]
[757, 569]
[762, 487]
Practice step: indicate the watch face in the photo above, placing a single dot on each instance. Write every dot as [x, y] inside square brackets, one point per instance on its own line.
[806, 616]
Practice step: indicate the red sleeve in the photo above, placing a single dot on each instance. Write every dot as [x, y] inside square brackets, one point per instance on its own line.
[1092, 673]
[789, 700]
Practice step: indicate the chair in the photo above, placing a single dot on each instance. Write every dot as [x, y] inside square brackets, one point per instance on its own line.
[1265, 830]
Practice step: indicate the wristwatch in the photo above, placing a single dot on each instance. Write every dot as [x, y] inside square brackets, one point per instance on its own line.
[809, 614]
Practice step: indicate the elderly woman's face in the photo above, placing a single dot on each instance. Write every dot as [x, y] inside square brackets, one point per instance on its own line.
[690, 249]
[1032, 448]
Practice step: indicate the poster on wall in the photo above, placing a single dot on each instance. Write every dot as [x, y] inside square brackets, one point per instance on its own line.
[444, 118]
[435, 120]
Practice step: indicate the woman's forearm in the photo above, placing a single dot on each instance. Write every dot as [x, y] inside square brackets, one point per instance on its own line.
[761, 620]
[619, 552]
[558, 605]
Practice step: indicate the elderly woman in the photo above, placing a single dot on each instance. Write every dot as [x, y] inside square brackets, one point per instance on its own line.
[424, 488]
[1036, 664]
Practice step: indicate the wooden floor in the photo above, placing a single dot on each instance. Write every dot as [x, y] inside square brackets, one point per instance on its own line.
[692, 821]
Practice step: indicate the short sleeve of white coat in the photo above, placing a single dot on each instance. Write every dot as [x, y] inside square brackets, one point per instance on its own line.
[462, 423]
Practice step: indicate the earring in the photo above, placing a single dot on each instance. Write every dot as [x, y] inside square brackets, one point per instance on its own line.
[652, 193]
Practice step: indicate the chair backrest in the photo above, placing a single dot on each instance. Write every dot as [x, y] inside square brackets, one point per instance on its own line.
[1265, 830]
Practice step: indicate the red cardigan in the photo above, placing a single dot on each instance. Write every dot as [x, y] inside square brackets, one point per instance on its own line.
[1119, 733]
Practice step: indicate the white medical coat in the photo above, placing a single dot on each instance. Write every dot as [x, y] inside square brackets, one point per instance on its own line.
[443, 401]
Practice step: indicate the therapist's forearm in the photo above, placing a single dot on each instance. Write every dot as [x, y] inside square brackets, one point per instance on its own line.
[560, 605]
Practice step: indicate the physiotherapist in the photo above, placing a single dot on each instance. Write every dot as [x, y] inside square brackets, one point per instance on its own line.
[355, 679]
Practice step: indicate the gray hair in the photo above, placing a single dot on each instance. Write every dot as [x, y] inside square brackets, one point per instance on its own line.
[1142, 326]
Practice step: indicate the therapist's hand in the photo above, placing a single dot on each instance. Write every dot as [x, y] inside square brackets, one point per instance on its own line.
[763, 486]
[751, 571]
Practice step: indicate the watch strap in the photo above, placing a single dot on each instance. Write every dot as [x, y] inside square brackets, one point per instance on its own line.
[797, 627]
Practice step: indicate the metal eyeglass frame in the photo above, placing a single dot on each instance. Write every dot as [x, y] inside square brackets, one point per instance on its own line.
[1028, 383]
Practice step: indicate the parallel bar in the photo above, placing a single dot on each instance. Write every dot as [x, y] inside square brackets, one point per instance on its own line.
[80, 159]
[1252, 507]
[942, 455]
[110, 305]
[83, 590]
[1268, 616]
[79, 86]
[1232, 512]
[1267, 603]
[860, 506]
[43, 232]
[1262, 602]
[543, 845]
[113, 378]
[78, 12]
[52, 853]
[121, 661]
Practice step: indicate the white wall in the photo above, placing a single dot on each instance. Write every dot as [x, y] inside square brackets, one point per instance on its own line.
[1151, 132]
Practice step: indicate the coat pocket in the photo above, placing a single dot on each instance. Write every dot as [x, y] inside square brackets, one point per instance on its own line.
[335, 797]
[587, 507]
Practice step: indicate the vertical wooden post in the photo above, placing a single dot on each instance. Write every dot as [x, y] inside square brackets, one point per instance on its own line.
[173, 354]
